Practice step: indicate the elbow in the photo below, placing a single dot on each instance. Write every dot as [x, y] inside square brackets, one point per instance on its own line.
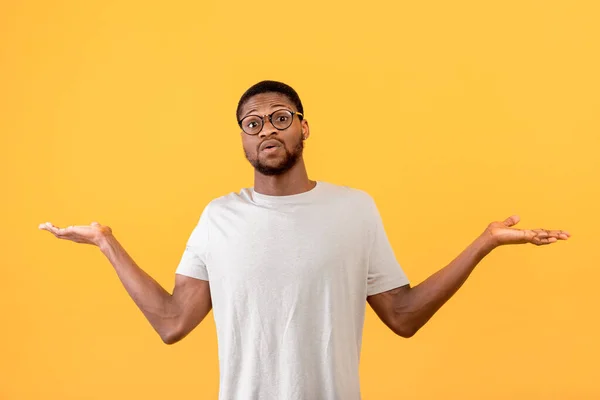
[405, 329]
[169, 340]
[406, 333]
[171, 337]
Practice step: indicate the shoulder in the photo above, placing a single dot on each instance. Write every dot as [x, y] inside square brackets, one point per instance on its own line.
[353, 202]
[356, 196]
[228, 201]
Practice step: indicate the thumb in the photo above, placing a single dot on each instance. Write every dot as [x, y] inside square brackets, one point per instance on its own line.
[95, 223]
[512, 220]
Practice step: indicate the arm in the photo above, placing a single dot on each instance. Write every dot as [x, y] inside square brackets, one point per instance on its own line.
[405, 310]
[173, 316]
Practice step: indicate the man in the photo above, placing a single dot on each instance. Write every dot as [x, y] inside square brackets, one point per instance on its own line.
[287, 266]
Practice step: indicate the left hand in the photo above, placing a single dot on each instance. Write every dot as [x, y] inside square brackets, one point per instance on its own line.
[500, 233]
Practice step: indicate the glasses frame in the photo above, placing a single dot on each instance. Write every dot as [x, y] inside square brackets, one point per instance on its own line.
[262, 119]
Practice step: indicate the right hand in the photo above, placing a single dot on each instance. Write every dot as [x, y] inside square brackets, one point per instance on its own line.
[89, 234]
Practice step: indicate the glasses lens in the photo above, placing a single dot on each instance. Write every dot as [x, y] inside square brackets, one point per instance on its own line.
[282, 119]
[252, 124]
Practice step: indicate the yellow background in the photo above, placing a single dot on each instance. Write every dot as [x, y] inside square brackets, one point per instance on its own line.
[450, 114]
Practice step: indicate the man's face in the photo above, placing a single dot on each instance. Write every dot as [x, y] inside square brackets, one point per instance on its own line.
[273, 151]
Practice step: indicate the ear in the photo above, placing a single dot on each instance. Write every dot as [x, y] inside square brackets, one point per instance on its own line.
[305, 129]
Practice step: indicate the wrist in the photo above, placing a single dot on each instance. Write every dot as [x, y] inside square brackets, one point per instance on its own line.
[105, 240]
[485, 243]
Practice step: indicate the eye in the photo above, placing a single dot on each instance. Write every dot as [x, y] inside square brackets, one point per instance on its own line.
[282, 118]
[252, 124]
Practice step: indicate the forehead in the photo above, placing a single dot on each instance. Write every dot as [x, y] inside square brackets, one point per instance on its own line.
[265, 102]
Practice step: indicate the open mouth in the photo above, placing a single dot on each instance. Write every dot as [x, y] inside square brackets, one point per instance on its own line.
[271, 149]
[272, 145]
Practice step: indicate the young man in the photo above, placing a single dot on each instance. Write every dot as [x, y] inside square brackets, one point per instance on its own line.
[288, 266]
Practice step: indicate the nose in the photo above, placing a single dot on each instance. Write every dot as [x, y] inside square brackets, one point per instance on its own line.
[268, 128]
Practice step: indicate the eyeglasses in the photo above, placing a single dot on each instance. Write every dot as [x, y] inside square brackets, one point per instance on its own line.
[280, 119]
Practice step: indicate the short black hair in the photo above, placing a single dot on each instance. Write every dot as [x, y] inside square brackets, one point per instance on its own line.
[270, 87]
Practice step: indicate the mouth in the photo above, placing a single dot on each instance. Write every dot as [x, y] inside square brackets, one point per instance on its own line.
[270, 149]
[270, 145]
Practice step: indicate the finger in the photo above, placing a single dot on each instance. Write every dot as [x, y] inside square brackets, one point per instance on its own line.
[51, 228]
[560, 234]
[65, 233]
[541, 233]
[65, 230]
[554, 233]
[564, 235]
[512, 220]
[543, 241]
[59, 232]
[45, 225]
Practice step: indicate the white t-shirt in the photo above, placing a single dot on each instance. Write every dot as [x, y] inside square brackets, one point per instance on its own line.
[289, 277]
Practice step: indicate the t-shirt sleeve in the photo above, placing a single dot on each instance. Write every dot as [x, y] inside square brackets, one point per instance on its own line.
[194, 258]
[384, 271]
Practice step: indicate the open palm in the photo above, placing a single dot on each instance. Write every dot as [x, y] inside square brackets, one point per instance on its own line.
[504, 233]
[89, 234]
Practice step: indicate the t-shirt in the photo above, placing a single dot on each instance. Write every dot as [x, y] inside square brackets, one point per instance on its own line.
[289, 277]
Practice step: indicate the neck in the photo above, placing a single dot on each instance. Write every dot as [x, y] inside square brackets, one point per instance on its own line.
[294, 181]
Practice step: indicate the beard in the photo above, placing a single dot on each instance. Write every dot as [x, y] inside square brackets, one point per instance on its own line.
[283, 165]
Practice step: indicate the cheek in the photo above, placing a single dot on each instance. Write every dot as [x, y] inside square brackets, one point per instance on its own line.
[249, 145]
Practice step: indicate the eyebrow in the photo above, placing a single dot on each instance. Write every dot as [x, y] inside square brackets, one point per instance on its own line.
[274, 105]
